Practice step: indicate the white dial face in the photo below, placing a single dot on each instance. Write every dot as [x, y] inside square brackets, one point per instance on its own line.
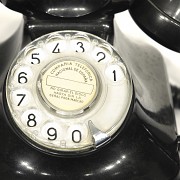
[68, 92]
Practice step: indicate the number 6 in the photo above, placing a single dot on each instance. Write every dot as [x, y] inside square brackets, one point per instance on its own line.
[22, 78]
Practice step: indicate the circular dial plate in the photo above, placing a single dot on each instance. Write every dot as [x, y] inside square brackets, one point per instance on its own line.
[68, 91]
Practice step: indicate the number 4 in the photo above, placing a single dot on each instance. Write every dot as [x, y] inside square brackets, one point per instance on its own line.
[56, 49]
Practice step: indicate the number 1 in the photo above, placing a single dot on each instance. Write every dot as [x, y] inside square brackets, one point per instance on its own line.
[114, 72]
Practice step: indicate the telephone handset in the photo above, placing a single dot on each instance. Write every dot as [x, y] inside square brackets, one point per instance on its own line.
[163, 31]
[81, 110]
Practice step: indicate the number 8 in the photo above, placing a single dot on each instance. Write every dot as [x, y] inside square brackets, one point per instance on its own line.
[31, 120]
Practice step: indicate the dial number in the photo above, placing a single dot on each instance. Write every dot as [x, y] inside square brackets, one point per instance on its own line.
[77, 133]
[31, 120]
[22, 98]
[35, 58]
[76, 136]
[35, 55]
[22, 79]
[114, 72]
[56, 45]
[22, 74]
[56, 49]
[52, 133]
[80, 45]
[101, 55]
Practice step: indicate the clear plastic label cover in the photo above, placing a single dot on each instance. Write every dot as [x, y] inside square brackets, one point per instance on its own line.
[68, 91]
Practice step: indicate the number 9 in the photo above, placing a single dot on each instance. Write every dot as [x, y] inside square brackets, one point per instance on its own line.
[52, 132]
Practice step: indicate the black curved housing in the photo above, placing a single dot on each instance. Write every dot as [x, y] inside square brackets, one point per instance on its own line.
[144, 149]
[160, 20]
[98, 22]
[66, 8]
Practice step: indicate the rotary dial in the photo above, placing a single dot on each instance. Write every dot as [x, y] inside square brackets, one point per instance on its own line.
[68, 92]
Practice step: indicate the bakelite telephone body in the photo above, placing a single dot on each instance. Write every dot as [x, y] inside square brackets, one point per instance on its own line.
[74, 107]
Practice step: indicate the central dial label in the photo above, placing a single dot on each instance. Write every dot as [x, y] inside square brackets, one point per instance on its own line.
[69, 85]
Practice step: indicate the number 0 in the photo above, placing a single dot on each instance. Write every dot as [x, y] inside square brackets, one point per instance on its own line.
[76, 136]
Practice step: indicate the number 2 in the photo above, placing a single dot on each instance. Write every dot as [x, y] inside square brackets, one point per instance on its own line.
[103, 56]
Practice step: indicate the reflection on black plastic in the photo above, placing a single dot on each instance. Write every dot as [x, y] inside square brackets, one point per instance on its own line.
[135, 153]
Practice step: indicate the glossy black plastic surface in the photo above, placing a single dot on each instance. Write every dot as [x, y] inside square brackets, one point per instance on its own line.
[137, 152]
[133, 154]
[99, 23]
[145, 147]
[169, 7]
[160, 20]
[66, 8]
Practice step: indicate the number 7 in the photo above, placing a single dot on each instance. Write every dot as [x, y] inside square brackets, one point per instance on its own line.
[23, 96]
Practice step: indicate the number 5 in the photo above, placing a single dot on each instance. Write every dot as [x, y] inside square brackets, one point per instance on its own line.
[37, 60]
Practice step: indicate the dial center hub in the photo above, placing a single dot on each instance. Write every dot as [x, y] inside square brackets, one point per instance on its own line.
[69, 85]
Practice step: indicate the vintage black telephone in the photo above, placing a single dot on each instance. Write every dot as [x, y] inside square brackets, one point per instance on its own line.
[72, 107]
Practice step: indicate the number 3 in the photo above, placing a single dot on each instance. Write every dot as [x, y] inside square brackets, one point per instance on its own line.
[81, 46]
